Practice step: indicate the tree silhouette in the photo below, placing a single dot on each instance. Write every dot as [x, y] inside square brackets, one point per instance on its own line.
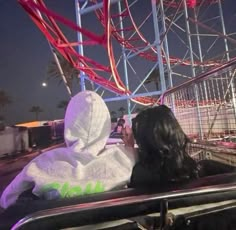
[122, 111]
[68, 69]
[63, 104]
[2, 123]
[113, 114]
[37, 110]
[5, 100]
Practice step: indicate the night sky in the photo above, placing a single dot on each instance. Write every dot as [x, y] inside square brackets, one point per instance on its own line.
[24, 58]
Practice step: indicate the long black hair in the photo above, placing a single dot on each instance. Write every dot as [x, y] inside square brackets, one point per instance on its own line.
[162, 144]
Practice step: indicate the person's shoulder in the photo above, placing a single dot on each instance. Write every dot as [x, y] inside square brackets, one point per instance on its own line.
[122, 151]
[60, 152]
[142, 176]
[125, 148]
[120, 147]
[129, 151]
[48, 157]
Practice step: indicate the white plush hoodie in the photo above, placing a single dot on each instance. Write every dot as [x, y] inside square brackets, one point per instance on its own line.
[85, 166]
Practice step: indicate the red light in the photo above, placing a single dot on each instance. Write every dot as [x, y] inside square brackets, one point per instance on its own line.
[192, 3]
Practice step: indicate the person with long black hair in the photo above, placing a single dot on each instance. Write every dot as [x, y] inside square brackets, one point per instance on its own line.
[163, 159]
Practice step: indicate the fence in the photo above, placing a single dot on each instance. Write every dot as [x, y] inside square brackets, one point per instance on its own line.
[206, 105]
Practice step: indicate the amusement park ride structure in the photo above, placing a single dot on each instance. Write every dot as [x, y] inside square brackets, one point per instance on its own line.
[119, 47]
[133, 42]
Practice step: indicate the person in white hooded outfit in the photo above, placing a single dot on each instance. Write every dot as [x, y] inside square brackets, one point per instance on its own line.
[85, 165]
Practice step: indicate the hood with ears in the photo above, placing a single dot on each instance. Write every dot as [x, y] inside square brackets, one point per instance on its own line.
[87, 123]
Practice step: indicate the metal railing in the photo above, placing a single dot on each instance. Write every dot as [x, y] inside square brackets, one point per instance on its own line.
[45, 215]
[212, 151]
[205, 106]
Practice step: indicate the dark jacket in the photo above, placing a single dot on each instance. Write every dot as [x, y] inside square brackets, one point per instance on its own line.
[144, 176]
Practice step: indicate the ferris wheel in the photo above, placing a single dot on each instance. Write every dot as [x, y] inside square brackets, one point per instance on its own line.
[136, 49]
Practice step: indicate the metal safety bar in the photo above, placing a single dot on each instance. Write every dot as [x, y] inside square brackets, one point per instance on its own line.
[118, 202]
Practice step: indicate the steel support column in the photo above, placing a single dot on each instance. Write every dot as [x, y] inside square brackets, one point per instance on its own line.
[193, 66]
